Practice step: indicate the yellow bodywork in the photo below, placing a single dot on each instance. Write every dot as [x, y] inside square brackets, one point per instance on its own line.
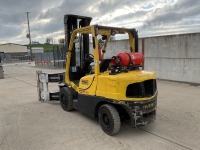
[103, 84]
[114, 86]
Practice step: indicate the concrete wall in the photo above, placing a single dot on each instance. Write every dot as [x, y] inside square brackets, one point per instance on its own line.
[174, 57]
[114, 47]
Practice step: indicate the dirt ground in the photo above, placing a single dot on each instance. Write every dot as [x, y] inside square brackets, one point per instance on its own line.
[27, 124]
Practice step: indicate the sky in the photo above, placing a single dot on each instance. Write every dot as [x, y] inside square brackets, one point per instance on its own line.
[149, 17]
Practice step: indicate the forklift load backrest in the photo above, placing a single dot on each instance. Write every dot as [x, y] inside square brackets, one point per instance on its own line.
[73, 22]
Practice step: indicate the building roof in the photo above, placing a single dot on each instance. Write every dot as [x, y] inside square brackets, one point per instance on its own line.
[13, 48]
[12, 44]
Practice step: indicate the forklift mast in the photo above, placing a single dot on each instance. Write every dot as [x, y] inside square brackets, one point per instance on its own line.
[72, 22]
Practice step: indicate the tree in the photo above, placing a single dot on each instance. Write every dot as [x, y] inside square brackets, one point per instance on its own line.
[61, 41]
[48, 40]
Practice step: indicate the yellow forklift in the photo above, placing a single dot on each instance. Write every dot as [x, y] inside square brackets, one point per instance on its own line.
[111, 89]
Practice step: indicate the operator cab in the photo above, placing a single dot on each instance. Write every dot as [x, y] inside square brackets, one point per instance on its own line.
[82, 59]
[92, 41]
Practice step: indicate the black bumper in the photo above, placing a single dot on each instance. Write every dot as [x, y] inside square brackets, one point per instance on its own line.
[141, 112]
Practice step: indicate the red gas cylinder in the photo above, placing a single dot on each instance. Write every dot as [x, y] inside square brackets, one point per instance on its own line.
[126, 59]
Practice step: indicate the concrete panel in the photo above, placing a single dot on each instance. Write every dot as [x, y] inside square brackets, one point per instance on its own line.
[185, 70]
[175, 57]
[114, 47]
[174, 46]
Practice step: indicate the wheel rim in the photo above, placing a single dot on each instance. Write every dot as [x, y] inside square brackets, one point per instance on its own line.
[64, 100]
[106, 120]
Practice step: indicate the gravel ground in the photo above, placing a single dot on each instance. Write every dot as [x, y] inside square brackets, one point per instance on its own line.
[27, 124]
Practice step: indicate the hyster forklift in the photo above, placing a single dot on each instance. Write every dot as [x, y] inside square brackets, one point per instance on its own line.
[112, 89]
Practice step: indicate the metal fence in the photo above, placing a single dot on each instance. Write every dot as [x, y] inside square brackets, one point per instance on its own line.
[55, 58]
[12, 58]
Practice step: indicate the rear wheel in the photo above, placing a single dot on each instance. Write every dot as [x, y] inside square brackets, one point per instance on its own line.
[66, 99]
[109, 119]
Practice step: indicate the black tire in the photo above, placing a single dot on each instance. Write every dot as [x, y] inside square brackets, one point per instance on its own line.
[109, 119]
[66, 99]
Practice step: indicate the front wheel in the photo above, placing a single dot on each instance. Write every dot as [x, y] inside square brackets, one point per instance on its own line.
[66, 99]
[109, 119]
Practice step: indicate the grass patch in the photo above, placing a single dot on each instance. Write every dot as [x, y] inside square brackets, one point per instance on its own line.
[47, 47]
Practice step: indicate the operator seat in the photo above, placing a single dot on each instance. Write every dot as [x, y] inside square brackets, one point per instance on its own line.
[104, 65]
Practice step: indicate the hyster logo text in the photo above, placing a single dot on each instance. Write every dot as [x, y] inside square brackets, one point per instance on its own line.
[148, 106]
